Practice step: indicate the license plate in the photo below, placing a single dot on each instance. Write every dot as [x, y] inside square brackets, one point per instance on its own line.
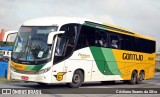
[24, 77]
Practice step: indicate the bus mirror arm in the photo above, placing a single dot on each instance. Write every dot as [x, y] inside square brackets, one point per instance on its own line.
[51, 36]
[5, 37]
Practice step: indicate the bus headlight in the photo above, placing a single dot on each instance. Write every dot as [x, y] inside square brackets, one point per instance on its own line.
[12, 69]
[44, 70]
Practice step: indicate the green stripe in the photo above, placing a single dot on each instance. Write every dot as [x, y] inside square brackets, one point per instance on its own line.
[111, 61]
[105, 61]
[94, 26]
[90, 25]
[99, 58]
[34, 67]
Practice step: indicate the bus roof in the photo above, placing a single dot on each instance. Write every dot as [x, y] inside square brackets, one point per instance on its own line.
[59, 21]
[50, 21]
[134, 33]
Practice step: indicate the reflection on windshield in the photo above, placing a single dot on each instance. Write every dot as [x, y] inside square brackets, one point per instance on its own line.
[31, 43]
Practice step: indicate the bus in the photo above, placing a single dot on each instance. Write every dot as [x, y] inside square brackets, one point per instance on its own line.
[75, 50]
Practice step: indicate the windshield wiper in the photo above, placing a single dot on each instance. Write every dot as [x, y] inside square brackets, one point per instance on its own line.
[24, 50]
[29, 47]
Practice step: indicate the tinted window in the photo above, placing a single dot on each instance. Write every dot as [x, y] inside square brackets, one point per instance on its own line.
[66, 42]
[92, 36]
[126, 42]
[114, 40]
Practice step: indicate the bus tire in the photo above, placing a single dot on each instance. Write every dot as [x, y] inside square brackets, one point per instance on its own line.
[77, 79]
[140, 78]
[133, 79]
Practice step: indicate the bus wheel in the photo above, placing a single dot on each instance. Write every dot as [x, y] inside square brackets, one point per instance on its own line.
[140, 78]
[133, 78]
[77, 79]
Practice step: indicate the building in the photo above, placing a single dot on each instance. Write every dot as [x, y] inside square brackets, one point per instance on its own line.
[2, 32]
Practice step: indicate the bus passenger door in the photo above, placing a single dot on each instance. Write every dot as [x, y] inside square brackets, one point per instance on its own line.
[97, 71]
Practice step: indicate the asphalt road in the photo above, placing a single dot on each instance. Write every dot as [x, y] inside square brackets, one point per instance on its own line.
[91, 88]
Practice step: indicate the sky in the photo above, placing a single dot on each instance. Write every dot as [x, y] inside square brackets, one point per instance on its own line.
[141, 16]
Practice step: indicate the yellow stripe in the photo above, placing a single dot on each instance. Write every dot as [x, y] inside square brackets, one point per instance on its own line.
[18, 66]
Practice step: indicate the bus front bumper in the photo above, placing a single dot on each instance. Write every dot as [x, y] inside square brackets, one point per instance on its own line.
[39, 78]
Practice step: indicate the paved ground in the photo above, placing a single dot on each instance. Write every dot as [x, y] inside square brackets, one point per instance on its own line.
[96, 86]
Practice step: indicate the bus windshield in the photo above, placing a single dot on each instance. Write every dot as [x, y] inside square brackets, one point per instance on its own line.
[31, 44]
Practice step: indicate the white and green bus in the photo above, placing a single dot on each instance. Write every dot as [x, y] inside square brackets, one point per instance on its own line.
[75, 50]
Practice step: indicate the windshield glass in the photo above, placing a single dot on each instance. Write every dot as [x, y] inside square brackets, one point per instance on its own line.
[31, 43]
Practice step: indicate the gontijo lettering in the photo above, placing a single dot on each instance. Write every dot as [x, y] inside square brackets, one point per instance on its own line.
[128, 56]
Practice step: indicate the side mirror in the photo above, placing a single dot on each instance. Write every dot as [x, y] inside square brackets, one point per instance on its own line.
[10, 35]
[51, 36]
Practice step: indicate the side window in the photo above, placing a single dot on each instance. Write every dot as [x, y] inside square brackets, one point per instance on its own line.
[82, 42]
[86, 37]
[147, 46]
[100, 38]
[90, 36]
[71, 31]
[126, 42]
[114, 40]
[137, 44]
[152, 46]
[66, 42]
